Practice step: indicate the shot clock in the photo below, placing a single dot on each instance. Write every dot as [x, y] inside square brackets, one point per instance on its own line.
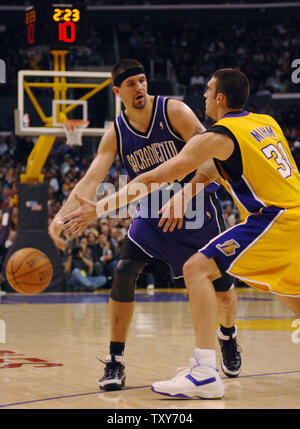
[58, 25]
[66, 19]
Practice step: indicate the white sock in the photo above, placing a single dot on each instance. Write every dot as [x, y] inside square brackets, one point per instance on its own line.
[206, 357]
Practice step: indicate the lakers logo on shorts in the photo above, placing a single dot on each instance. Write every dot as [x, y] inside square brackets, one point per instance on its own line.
[229, 247]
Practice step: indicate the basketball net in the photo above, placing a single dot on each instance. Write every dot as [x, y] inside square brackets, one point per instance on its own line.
[73, 129]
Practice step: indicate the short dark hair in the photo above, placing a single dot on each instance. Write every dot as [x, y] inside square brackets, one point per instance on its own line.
[234, 85]
[123, 65]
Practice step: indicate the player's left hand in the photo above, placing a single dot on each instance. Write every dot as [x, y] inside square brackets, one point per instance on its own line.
[173, 213]
[76, 222]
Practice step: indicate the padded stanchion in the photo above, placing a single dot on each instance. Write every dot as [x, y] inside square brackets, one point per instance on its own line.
[33, 230]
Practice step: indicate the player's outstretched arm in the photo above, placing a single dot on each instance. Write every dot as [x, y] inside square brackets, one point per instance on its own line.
[185, 123]
[196, 152]
[198, 149]
[87, 186]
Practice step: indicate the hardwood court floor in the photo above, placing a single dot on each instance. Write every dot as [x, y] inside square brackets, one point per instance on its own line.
[52, 341]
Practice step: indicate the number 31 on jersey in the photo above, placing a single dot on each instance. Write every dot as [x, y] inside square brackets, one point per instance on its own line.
[281, 158]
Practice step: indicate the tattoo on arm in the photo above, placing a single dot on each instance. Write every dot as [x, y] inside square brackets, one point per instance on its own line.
[198, 130]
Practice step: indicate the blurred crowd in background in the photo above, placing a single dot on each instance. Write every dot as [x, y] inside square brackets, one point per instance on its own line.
[89, 260]
[183, 50]
[263, 48]
[194, 49]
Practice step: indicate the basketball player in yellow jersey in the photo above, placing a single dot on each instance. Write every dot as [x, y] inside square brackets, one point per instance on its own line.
[251, 156]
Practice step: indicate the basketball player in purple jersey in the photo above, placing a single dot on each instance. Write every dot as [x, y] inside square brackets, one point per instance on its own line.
[150, 131]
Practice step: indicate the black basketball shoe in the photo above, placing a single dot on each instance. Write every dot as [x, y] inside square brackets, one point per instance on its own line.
[114, 373]
[231, 354]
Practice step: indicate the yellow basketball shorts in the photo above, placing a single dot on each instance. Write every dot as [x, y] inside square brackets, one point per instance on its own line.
[263, 251]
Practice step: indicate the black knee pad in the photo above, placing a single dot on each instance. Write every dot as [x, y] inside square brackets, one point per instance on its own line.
[126, 275]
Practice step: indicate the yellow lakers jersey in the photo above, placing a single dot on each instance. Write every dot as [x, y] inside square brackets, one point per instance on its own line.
[269, 175]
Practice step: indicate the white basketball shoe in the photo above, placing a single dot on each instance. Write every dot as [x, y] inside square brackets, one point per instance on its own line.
[197, 381]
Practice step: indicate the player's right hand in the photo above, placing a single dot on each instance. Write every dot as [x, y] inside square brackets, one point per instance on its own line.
[55, 230]
[75, 223]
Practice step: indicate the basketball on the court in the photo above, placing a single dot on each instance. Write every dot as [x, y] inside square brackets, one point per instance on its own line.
[29, 271]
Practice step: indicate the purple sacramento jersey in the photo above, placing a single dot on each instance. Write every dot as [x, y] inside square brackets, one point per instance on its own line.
[141, 152]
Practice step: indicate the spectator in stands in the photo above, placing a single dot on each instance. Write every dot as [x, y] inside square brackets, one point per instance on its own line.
[96, 252]
[262, 90]
[229, 215]
[109, 255]
[80, 265]
[197, 79]
[53, 179]
[67, 185]
[51, 196]
[116, 237]
[3, 146]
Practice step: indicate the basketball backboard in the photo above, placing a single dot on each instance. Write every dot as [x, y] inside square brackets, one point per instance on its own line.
[47, 98]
